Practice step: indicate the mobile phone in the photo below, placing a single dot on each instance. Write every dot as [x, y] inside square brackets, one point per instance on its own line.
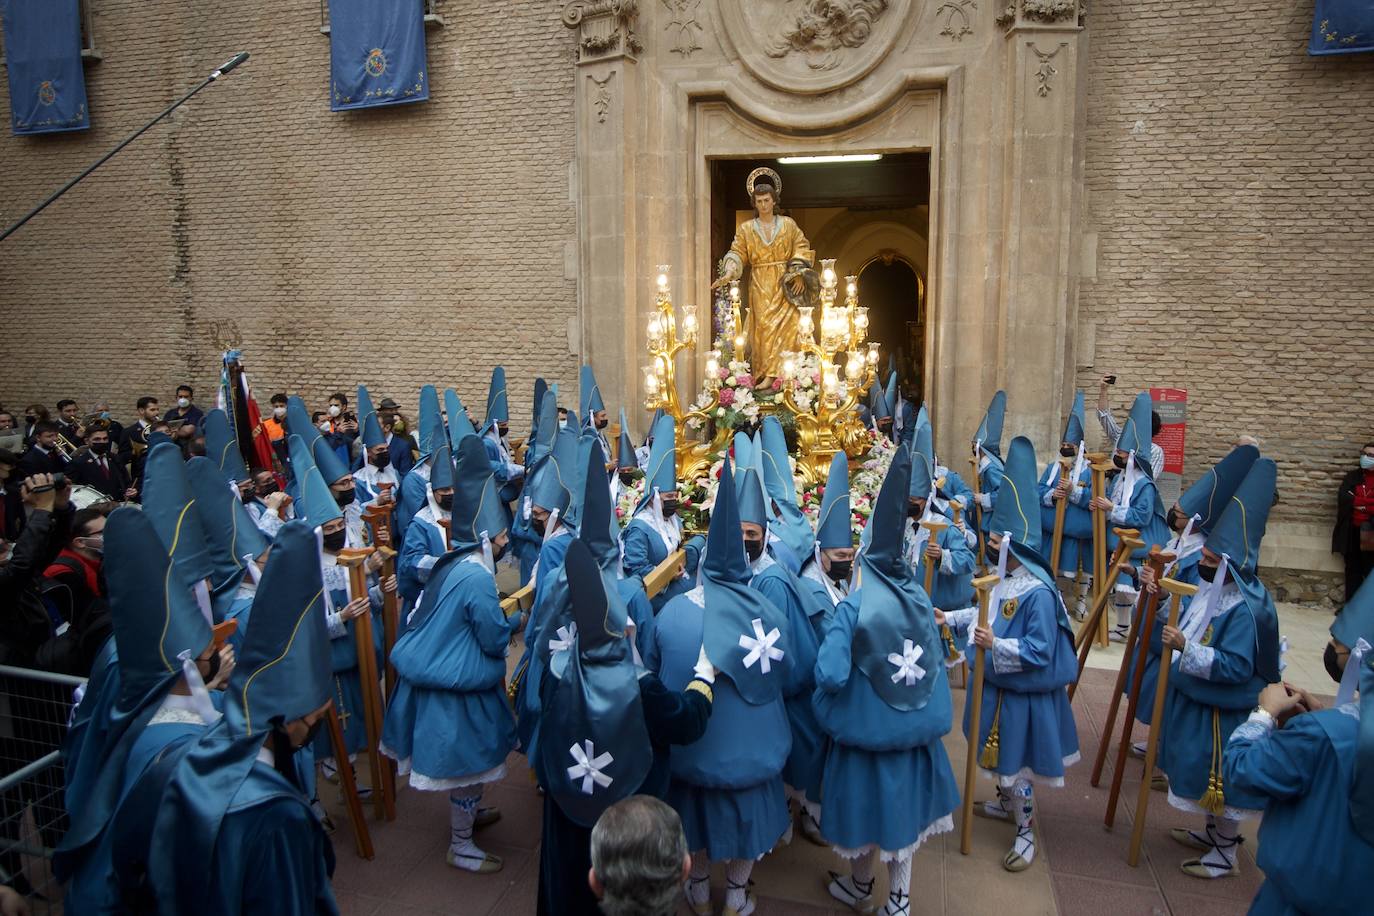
[1110, 380]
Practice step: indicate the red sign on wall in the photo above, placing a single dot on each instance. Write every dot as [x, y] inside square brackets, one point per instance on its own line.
[1172, 406]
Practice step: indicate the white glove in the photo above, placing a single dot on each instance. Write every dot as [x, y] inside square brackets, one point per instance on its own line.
[985, 500]
[704, 670]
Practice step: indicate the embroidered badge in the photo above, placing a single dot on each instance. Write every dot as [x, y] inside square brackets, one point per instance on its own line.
[1009, 608]
[46, 93]
[1206, 639]
[376, 62]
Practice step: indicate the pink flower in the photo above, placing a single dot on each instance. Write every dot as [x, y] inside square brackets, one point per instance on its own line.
[816, 377]
[724, 373]
[745, 381]
[777, 384]
[727, 397]
[619, 512]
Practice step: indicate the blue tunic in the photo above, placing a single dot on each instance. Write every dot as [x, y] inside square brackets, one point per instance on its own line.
[888, 780]
[953, 487]
[1228, 686]
[449, 716]
[402, 458]
[727, 787]
[643, 549]
[1313, 859]
[807, 759]
[1144, 513]
[952, 586]
[508, 474]
[1076, 548]
[990, 482]
[1184, 571]
[423, 539]
[1026, 676]
[527, 703]
[348, 686]
[414, 494]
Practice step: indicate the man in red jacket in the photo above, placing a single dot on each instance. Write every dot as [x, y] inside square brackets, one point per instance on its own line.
[1355, 510]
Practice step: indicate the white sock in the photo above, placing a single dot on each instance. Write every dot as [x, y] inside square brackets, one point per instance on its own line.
[898, 887]
[1023, 810]
[737, 882]
[699, 879]
[1221, 858]
[462, 811]
[1125, 603]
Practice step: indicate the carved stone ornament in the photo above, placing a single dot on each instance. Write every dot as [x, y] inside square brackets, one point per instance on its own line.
[1046, 72]
[601, 98]
[958, 18]
[1039, 12]
[606, 28]
[684, 28]
[810, 47]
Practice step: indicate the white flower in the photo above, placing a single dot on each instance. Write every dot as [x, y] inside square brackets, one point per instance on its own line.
[761, 646]
[906, 663]
[730, 381]
[588, 767]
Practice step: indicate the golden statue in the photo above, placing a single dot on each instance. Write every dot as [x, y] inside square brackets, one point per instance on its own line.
[779, 259]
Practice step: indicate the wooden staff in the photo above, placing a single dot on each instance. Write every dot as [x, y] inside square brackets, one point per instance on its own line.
[362, 837]
[1100, 466]
[977, 516]
[935, 528]
[379, 517]
[1176, 592]
[355, 560]
[1137, 628]
[1060, 511]
[1159, 559]
[984, 585]
[1127, 540]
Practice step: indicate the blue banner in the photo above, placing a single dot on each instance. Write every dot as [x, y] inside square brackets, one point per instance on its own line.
[43, 56]
[1342, 27]
[376, 53]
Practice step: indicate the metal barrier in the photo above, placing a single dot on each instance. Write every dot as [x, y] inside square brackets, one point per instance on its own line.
[35, 707]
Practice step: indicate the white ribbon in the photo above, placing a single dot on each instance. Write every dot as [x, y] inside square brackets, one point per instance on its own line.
[761, 646]
[253, 572]
[831, 590]
[202, 592]
[563, 639]
[1197, 623]
[1176, 546]
[1350, 677]
[906, 663]
[200, 697]
[487, 560]
[588, 767]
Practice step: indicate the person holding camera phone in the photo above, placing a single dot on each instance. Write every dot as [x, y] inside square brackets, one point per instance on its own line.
[1112, 429]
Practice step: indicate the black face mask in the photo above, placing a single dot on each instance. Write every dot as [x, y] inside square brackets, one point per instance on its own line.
[1176, 521]
[381, 460]
[540, 525]
[268, 490]
[344, 497]
[1331, 659]
[1207, 573]
[602, 424]
[497, 552]
[1119, 462]
[841, 570]
[669, 510]
[99, 448]
[753, 548]
[991, 555]
[445, 502]
[503, 431]
[1068, 451]
[247, 496]
[334, 541]
[914, 511]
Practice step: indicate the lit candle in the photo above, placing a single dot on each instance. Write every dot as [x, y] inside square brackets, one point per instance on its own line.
[734, 291]
[873, 354]
[689, 321]
[662, 280]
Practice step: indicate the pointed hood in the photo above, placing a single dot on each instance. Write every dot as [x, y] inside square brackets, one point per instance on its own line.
[894, 612]
[327, 461]
[171, 507]
[458, 423]
[743, 452]
[625, 447]
[1074, 429]
[477, 509]
[661, 472]
[791, 525]
[431, 423]
[369, 426]
[594, 742]
[315, 504]
[732, 607]
[1239, 531]
[597, 528]
[298, 422]
[233, 538]
[922, 463]
[1135, 432]
[589, 453]
[878, 403]
[1018, 510]
[222, 448]
[441, 468]
[1212, 493]
[833, 526]
[551, 481]
[891, 397]
[990, 430]
[545, 429]
[498, 406]
[541, 388]
[1356, 619]
[589, 395]
[749, 490]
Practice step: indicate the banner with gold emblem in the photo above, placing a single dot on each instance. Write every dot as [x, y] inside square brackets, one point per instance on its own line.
[1342, 27]
[43, 56]
[377, 53]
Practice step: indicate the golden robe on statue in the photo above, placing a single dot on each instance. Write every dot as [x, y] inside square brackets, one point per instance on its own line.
[773, 320]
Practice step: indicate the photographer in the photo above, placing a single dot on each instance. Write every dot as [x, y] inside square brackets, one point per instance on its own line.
[29, 636]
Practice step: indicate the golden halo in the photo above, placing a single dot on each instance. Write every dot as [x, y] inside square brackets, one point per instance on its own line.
[764, 170]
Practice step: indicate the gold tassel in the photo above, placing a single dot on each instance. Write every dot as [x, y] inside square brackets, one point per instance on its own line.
[951, 651]
[991, 748]
[1213, 801]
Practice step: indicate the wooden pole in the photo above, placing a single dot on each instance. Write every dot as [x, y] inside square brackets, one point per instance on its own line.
[362, 837]
[1061, 508]
[1127, 541]
[984, 585]
[379, 517]
[977, 516]
[1100, 466]
[1176, 592]
[935, 528]
[355, 560]
[1133, 699]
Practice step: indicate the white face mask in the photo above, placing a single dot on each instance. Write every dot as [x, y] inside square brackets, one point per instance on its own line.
[563, 423]
[183, 403]
[335, 410]
[278, 412]
[1367, 462]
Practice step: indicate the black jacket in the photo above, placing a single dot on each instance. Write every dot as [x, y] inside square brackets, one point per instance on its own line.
[1344, 532]
[27, 631]
[35, 462]
[113, 482]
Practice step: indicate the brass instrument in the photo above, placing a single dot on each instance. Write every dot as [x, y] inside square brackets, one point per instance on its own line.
[66, 448]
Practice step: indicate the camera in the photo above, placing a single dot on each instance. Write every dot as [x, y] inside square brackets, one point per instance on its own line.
[1110, 380]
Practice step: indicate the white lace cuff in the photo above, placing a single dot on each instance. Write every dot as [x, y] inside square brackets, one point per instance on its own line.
[1006, 655]
[1196, 660]
[961, 619]
[334, 622]
[946, 562]
[1257, 726]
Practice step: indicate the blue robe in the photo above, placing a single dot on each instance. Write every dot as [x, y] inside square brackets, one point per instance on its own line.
[1185, 571]
[727, 787]
[423, 539]
[508, 480]
[989, 483]
[402, 458]
[1313, 859]
[1145, 513]
[643, 548]
[527, 705]
[953, 487]
[888, 780]
[802, 771]
[1076, 548]
[449, 716]
[1228, 687]
[1025, 680]
[348, 686]
[413, 497]
[953, 581]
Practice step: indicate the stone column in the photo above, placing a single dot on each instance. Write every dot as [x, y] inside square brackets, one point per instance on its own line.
[1039, 286]
[607, 102]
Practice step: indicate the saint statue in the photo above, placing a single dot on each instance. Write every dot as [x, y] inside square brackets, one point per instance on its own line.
[779, 259]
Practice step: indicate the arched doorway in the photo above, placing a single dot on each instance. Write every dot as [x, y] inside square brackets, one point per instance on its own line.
[894, 292]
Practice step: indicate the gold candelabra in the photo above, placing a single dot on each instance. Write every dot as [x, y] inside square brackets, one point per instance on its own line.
[831, 423]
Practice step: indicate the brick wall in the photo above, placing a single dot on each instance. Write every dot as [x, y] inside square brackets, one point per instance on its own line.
[1229, 181]
[395, 247]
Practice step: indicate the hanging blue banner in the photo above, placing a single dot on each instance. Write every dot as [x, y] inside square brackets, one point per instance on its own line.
[376, 53]
[1342, 27]
[43, 56]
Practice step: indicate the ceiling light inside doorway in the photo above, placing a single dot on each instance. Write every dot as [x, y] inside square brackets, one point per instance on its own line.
[815, 160]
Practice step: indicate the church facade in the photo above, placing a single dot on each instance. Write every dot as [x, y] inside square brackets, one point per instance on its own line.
[1172, 192]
